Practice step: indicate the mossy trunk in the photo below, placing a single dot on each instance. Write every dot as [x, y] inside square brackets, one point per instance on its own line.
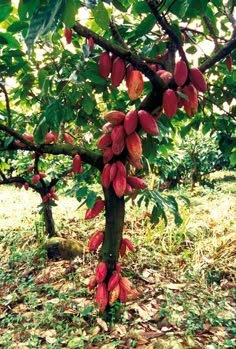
[48, 220]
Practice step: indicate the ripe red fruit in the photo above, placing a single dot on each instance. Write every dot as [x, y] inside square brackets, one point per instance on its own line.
[30, 169]
[26, 186]
[129, 69]
[104, 65]
[180, 73]
[77, 164]
[118, 139]
[97, 208]
[197, 79]
[101, 272]
[102, 296]
[131, 121]
[113, 281]
[121, 167]
[106, 176]
[114, 294]
[165, 75]
[135, 162]
[115, 117]
[68, 35]
[117, 71]
[118, 267]
[119, 184]
[42, 175]
[35, 179]
[134, 145]
[54, 196]
[92, 283]
[229, 63]
[95, 240]
[122, 249]
[170, 103]
[113, 171]
[128, 189]
[136, 182]
[67, 138]
[51, 138]
[147, 122]
[125, 284]
[135, 84]
[104, 141]
[123, 295]
[107, 155]
[91, 43]
[107, 128]
[129, 245]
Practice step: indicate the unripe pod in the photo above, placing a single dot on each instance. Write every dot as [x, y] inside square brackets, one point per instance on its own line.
[135, 84]
[35, 179]
[131, 121]
[114, 294]
[197, 79]
[68, 35]
[104, 141]
[106, 176]
[77, 164]
[113, 281]
[104, 65]
[122, 249]
[115, 117]
[170, 103]
[101, 272]
[107, 155]
[129, 245]
[121, 167]
[119, 184]
[134, 145]
[117, 72]
[95, 240]
[147, 122]
[97, 208]
[102, 296]
[136, 182]
[180, 73]
[113, 171]
[92, 283]
[67, 138]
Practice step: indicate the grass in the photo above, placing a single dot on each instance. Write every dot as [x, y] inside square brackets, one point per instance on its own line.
[185, 277]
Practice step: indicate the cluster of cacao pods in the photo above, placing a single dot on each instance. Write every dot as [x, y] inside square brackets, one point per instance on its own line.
[36, 177]
[51, 195]
[116, 67]
[118, 287]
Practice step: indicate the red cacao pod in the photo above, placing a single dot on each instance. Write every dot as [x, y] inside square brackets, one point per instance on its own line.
[134, 145]
[26, 186]
[107, 155]
[104, 65]
[121, 167]
[128, 189]
[92, 283]
[95, 240]
[104, 141]
[123, 295]
[55, 196]
[117, 72]
[77, 164]
[197, 79]
[119, 184]
[131, 121]
[106, 176]
[68, 35]
[91, 44]
[136, 182]
[129, 245]
[101, 272]
[118, 147]
[102, 296]
[42, 174]
[113, 281]
[50, 138]
[97, 208]
[115, 117]
[165, 75]
[114, 294]
[135, 84]
[191, 92]
[135, 162]
[118, 139]
[180, 73]
[122, 249]
[129, 69]
[107, 128]
[30, 169]
[118, 267]
[229, 63]
[147, 122]
[170, 103]
[67, 138]
[113, 171]
[35, 179]
[125, 284]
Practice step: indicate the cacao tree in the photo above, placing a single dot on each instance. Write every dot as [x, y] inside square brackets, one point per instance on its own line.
[123, 74]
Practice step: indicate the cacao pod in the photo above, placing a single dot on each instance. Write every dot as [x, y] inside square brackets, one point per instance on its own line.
[128, 189]
[30, 169]
[92, 283]
[229, 63]
[117, 72]
[165, 75]
[107, 155]
[102, 296]
[113, 281]
[119, 184]
[107, 128]
[113, 171]
[118, 267]
[26, 186]
[129, 245]
[135, 163]
[77, 164]
[42, 175]
[68, 35]
[104, 141]
[97, 208]
[122, 249]
[125, 284]
[118, 139]
[197, 79]
[129, 69]
[91, 44]
[135, 84]
[114, 294]
[180, 73]
[123, 295]
[50, 138]
[118, 147]
[147, 122]
[169, 103]
[131, 122]
[134, 145]
[95, 241]
[136, 182]
[101, 272]
[106, 176]
[35, 179]
[115, 117]
[104, 64]
[67, 138]
[191, 92]
[55, 196]
[121, 167]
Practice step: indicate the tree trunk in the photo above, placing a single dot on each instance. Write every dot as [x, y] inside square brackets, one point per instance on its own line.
[48, 220]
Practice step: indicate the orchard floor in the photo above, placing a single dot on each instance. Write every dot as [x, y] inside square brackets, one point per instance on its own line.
[184, 276]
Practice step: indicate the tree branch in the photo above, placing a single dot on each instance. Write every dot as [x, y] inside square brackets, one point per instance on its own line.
[7, 104]
[116, 35]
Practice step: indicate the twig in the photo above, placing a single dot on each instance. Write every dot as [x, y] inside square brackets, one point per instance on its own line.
[7, 103]
[116, 35]
[211, 31]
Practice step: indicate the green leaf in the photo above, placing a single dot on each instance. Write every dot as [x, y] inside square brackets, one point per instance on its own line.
[53, 114]
[9, 40]
[42, 77]
[87, 310]
[81, 193]
[141, 7]
[41, 131]
[232, 158]
[146, 25]
[90, 3]
[101, 16]
[88, 104]
[69, 13]
[196, 8]
[178, 8]
[120, 5]
[17, 26]
[91, 199]
[191, 50]
[5, 10]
